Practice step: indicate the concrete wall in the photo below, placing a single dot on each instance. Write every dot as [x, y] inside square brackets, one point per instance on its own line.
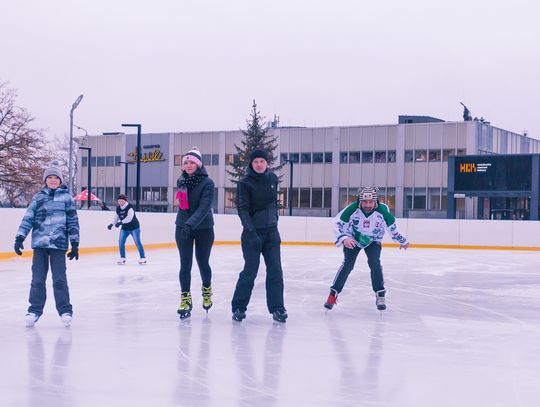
[158, 231]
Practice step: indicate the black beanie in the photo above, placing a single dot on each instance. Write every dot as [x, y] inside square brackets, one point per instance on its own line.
[122, 196]
[258, 153]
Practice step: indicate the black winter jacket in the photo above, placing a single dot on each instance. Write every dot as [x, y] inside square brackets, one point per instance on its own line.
[256, 200]
[199, 215]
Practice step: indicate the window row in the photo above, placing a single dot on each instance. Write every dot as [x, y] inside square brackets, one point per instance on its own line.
[367, 157]
[425, 198]
[301, 197]
[307, 157]
[435, 155]
[207, 159]
[350, 195]
[102, 161]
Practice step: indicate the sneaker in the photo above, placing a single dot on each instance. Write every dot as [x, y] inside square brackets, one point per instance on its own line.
[331, 300]
[239, 315]
[142, 261]
[207, 297]
[66, 319]
[30, 319]
[184, 310]
[380, 300]
[121, 262]
[280, 315]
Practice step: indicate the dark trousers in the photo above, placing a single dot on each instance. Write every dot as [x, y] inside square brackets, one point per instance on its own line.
[38, 291]
[271, 252]
[203, 239]
[373, 253]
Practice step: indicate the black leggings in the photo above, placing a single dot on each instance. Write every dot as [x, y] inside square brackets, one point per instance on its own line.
[203, 239]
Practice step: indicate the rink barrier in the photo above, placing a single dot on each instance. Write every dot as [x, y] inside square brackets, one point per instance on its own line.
[158, 229]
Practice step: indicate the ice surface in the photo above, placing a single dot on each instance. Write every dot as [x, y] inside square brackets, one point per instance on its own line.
[462, 329]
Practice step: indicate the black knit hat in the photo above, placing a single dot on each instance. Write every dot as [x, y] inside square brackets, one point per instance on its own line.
[258, 153]
[121, 196]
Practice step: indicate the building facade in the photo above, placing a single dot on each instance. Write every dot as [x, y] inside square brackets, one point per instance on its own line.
[408, 161]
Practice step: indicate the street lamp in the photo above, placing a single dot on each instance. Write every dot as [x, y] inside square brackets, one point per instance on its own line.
[126, 163]
[290, 185]
[89, 149]
[70, 164]
[138, 182]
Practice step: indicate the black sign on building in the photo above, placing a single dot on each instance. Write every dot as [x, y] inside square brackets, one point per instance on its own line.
[507, 186]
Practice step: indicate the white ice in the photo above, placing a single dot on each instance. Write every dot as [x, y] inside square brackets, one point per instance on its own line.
[462, 328]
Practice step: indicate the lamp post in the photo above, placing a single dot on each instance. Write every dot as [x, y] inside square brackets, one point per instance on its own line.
[70, 158]
[126, 163]
[138, 182]
[289, 197]
[89, 190]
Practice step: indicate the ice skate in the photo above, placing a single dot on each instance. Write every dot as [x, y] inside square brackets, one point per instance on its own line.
[66, 319]
[380, 300]
[30, 319]
[331, 300]
[142, 261]
[238, 315]
[184, 310]
[121, 262]
[280, 315]
[207, 297]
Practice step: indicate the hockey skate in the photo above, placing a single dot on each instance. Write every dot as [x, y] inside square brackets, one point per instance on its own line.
[380, 300]
[331, 300]
[121, 262]
[142, 261]
[184, 310]
[66, 319]
[30, 319]
[238, 315]
[207, 297]
[280, 315]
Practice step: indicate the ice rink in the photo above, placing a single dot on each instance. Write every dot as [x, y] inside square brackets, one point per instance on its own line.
[462, 328]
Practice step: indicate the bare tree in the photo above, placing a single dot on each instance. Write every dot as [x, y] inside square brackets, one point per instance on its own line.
[23, 152]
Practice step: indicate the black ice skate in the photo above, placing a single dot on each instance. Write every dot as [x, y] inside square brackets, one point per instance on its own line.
[280, 315]
[184, 310]
[238, 315]
[380, 300]
[331, 300]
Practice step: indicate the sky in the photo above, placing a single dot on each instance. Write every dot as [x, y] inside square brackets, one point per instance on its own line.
[196, 65]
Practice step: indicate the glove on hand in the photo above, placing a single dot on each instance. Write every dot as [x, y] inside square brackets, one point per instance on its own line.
[118, 224]
[18, 247]
[185, 233]
[74, 253]
[109, 226]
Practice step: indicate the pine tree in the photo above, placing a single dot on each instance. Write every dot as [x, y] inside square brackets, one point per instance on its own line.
[255, 137]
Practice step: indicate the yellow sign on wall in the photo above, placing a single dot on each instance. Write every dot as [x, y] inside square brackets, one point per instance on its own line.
[152, 156]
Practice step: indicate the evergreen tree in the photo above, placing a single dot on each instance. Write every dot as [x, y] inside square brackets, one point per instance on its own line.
[255, 137]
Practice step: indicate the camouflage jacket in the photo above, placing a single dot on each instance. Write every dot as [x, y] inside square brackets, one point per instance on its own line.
[52, 218]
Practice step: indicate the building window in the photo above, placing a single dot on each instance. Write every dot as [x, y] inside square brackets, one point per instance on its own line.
[84, 162]
[391, 198]
[435, 155]
[317, 198]
[230, 197]
[444, 199]
[380, 156]
[346, 197]
[434, 198]
[318, 157]
[294, 197]
[447, 153]
[367, 157]
[207, 159]
[109, 161]
[117, 161]
[420, 155]
[409, 155]
[215, 159]
[354, 157]
[461, 151]
[282, 198]
[101, 161]
[408, 198]
[294, 157]
[177, 160]
[93, 162]
[392, 156]
[419, 198]
[283, 157]
[327, 198]
[343, 157]
[305, 158]
[328, 157]
[305, 197]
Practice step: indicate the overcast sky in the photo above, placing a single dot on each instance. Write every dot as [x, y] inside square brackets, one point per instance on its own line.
[185, 65]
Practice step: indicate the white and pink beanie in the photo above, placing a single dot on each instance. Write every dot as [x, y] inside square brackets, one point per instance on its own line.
[193, 155]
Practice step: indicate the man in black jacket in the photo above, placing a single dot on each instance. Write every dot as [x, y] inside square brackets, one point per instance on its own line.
[256, 200]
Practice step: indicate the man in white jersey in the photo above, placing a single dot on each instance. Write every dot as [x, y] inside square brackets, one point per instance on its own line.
[362, 225]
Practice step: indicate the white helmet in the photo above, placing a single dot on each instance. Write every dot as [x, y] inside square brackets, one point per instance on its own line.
[367, 193]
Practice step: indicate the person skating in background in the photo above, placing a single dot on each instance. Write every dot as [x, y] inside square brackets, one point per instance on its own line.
[125, 216]
[52, 218]
[362, 225]
[194, 224]
[256, 200]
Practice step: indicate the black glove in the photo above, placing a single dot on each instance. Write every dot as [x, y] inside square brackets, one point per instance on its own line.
[18, 247]
[254, 240]
[118, 224]
[109, 226]
[74, 253]
[185, 233]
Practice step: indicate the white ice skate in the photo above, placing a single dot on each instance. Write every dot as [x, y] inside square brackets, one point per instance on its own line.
[142, 261]
[30, 319]
[121, 262]
[66, 319]
[380, 300]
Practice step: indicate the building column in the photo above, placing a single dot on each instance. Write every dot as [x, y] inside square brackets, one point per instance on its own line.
[400, 170]
[335, 171]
